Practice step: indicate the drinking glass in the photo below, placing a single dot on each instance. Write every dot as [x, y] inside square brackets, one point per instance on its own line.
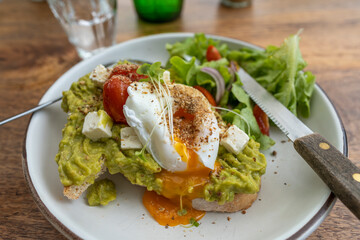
[89, 24]
[236, 3]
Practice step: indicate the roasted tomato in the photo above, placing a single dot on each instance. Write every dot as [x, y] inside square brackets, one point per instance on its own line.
[262, 120]
[115, 90]
[212, 54]
[206, 93]
[115, 95]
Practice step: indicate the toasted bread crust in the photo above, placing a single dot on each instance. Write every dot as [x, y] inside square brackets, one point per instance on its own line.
[241, 202]
[73, 192]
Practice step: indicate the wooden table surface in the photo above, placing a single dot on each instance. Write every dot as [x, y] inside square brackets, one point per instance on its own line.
[34, 52]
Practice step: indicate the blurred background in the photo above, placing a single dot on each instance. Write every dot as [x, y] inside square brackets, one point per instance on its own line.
[35, 51]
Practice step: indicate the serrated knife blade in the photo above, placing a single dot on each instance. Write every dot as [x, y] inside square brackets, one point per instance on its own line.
[338, 172]
[292, 127]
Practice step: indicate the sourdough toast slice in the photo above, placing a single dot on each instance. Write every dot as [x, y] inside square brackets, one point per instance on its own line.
[73, 192]
[241, 202]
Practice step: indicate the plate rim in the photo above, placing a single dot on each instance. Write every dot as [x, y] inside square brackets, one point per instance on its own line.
[303, 232]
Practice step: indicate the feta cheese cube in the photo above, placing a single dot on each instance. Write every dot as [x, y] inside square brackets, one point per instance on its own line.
[99, 75]
[129, 139]
[97, 125]
[234, 139]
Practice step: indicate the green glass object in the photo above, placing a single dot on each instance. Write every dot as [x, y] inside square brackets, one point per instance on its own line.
[158, 10]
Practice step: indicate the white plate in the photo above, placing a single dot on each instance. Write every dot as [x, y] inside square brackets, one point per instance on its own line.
[292, 202]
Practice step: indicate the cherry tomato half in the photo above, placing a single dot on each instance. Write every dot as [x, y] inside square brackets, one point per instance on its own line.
[262, 120]
[115, 90]
[212, 54]
[115, 95]
[206, 93]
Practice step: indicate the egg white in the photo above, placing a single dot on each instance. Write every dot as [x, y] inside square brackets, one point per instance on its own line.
[144, 113]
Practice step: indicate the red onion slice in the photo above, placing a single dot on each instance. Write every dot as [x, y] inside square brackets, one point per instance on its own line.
[219, 80]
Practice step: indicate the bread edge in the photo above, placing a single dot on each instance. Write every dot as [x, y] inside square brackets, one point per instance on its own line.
[241, 202]
[73, 192]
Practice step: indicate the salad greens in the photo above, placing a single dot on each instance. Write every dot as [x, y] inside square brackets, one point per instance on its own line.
[278, 69]
[153, 71]
[196, 47]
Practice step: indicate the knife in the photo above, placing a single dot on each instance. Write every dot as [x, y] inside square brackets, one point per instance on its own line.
[338, 172]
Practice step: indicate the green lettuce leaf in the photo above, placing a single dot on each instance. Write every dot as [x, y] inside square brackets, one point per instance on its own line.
[248, 123]
[154, 70]
[182, 71]
[196, 47]
[189, 73]
[279, 70]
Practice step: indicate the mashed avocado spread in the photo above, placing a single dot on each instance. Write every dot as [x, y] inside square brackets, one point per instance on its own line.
[80, 159]
[101, 193]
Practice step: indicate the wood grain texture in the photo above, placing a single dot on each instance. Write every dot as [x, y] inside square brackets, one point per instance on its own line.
[34, 52]
[333, 168]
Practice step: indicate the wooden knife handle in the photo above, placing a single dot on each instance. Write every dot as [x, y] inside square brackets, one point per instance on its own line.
[338, 172]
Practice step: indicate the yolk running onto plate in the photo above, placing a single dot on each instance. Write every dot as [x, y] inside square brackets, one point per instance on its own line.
[178, 190]
[165, 212]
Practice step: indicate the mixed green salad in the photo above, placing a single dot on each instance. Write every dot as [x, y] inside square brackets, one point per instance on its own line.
[278, 69]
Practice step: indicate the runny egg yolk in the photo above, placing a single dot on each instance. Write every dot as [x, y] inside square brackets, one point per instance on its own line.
[166, 212]
[188, 183]
[178, 190]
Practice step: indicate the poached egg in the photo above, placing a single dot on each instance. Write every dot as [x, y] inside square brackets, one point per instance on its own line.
[193, 139]
[181, 132]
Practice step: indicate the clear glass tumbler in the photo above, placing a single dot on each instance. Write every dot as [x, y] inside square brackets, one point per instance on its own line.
[90, 24]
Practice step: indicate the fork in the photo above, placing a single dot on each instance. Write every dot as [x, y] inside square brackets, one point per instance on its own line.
[48, 103]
